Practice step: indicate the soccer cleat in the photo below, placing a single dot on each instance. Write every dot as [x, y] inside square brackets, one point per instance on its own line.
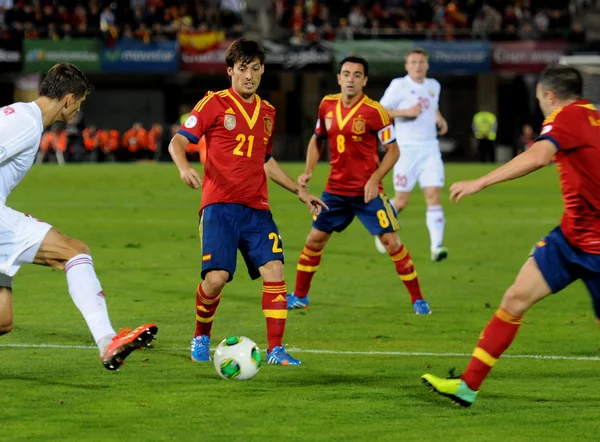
[439, 254]
[126, 342]
[280, 357]
[201, 349]
[295, 302]
[455, 389]
[421, 307]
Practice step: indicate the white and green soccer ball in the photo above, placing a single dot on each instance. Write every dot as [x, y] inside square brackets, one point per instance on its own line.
[237, 357]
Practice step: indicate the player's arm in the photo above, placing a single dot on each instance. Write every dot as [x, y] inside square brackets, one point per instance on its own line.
[313, 153]
[276, 174]
[187, 173]
[538, 156]
[387, 137]
[392, 103]
[194, 127]
[441, 123]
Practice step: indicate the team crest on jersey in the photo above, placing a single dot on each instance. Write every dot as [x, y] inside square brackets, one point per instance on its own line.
[358, 126]
[229, 121]
[432, 92]
[268, 125]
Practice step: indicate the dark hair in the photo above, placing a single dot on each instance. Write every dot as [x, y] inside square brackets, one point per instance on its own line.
[564, 81]
[418, 51]
[357, 60]
[63, 79]
[244, 51]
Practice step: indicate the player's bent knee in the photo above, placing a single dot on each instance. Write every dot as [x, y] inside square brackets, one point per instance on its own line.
[272, 271]
[214, 281]
[6, 327]
[390, 241]
[516, 301]
[317, 239]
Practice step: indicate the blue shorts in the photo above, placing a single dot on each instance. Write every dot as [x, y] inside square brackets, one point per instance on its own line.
[561, 264]
[377, 215]
[224, 228]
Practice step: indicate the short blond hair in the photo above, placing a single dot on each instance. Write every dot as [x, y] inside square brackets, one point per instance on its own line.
[418, 51]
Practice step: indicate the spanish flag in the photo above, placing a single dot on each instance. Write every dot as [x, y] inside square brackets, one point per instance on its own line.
[386, 134]
[206, 257]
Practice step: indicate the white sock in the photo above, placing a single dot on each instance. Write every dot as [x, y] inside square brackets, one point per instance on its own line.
[435, 223]
[86, 291]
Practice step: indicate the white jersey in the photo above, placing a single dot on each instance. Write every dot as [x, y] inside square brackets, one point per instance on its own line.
[403, 93]
[21, 130]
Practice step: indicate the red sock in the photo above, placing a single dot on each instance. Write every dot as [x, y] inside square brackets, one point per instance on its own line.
[494, 340]
[205, 311]
[406, 270]
[308, 264]
[274, 307]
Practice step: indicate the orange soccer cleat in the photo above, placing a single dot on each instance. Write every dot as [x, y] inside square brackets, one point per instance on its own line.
[126, 342]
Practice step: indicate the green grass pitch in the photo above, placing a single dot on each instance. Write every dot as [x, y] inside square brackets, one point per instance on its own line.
[363, 349]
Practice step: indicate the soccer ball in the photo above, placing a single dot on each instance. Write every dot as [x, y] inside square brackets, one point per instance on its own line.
[237, 357]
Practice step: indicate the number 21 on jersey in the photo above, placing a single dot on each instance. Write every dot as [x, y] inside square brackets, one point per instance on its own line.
[241, 139]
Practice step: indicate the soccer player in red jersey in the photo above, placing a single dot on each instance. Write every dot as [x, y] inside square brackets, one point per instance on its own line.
[570, 136]
[353, 123]
[234, 213]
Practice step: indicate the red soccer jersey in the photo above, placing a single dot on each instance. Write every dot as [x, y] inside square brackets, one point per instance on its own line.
[575, 131]
[239, 142]
[352, 134]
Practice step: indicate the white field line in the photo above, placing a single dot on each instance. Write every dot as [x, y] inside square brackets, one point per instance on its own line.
[331, 352]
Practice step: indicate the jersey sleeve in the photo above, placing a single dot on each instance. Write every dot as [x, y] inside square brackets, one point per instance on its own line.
[18, 135]
[392, 97]
[562, 129]
[201, 118]
[381, 123]
[320, 129]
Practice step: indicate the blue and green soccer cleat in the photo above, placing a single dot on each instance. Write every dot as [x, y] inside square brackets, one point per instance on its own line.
[280, 357]
[294, 301]
[201, 349]
[452, 388]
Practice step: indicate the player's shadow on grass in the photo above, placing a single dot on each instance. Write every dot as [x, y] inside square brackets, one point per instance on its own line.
[50, 382]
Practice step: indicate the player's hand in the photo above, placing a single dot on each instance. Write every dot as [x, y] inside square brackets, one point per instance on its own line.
[371, 189]
[442, 126]
[314, 204]
[304, 179]
[464, 188]
[414, 111]
[190, 177]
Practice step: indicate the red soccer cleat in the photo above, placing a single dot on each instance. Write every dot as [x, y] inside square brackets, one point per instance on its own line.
[126, 342]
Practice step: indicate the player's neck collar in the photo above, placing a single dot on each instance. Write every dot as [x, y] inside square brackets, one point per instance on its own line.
[416, 82]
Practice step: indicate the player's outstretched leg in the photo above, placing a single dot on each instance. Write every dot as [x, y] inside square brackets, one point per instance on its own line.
[87, 294]
[275, 307]
[308, 264]
[208, 297]
[529, 287]
[406, 271]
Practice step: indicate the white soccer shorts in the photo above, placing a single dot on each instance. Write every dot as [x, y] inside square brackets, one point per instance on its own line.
[20, 238]
[423, 164]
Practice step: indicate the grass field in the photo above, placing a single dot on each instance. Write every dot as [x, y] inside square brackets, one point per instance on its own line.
[363, 349]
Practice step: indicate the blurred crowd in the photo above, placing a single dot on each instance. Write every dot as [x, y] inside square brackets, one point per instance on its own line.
[314, 20]
[77, 143]
[127, 19]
